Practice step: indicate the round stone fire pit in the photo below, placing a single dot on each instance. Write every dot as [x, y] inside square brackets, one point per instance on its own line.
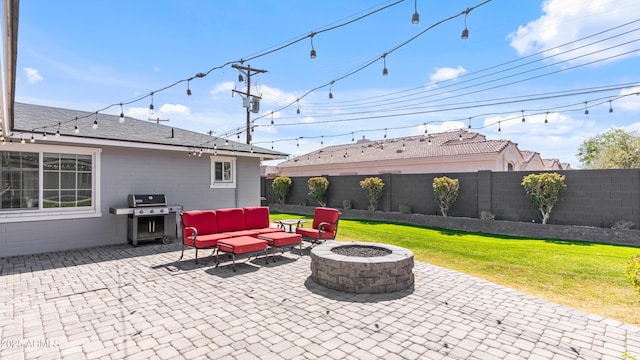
[364, 268]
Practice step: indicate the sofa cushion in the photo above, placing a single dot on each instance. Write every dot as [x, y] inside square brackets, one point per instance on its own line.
[256, 217]
[281, 239]
[206, 241]
[269, 230]
[252, 233]
[327, 215]
[315, 233]
[203, 220]
[231, 219]
[242, 245]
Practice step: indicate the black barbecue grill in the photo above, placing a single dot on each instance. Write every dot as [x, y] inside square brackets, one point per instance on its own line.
[149, 217]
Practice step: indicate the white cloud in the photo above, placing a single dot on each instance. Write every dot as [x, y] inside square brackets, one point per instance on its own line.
[138, 113]
[565, 21]
[32, 75]
[447, 73]
[629, 103]
[156, 68]
[176, 109]
[223, 87]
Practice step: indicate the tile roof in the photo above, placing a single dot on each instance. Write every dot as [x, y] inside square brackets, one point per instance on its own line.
[452, 143]
[29, 117]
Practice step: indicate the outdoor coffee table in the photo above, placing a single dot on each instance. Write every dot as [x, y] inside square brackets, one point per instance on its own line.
[280, 240]
[241, 245]
[290, 223]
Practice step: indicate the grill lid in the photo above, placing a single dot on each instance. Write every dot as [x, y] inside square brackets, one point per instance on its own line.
[147, 200]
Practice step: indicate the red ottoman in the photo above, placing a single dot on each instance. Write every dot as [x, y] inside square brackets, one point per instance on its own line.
[241, 245]
[281, 239]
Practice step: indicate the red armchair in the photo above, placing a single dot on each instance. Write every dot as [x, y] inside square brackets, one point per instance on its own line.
[325, 225]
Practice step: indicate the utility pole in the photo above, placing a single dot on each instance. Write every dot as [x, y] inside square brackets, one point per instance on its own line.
[251, 102]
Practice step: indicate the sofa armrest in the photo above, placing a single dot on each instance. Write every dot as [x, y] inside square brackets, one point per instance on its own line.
[194, 233]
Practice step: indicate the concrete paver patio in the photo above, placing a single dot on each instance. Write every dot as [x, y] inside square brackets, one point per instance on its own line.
[120, 302]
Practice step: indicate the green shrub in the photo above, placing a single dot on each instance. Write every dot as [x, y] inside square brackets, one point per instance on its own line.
[373, 187]
[633, 273]
[346, 204]
[318, 189]
[544, 189]
[404, 209]
[281, 186]
[446, 193]
[623, 225]
[487, 215]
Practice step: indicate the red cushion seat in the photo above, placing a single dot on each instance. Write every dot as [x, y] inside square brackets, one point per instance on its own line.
[281, 239]
[241, 245]
[315, 233]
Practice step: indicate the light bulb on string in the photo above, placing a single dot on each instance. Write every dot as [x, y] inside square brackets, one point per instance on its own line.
[499, 128]
[272, 118]
[330, 88]
[465, 32]
[298, 110]
[416, 17]
[22, 140]
[58, 131]
[469, 126]
[44, 134]
[95, 122]
[523, 119]
[121, 114]
[32, 140]
[313, 51]
[188, 88]
[151, 104]
[610, 107]
[546, 120]
[385, 72]
[75, 128]
[586, 110]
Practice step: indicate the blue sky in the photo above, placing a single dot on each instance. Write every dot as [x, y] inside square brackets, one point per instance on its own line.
[550, 59]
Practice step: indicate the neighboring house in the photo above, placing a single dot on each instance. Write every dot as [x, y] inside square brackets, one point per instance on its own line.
[452, 151]
[56, 192]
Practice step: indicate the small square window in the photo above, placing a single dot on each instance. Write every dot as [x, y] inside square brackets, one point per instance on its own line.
[223, 172]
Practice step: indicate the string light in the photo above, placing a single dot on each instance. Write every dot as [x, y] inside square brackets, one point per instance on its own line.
[523, 119]
[22, 140]
[546, 121]
[151, 105]
[610, 107]
[32, 140]
[586, 111]
[465, 32]
[58, 131]
[330, 88]
[469, 126]
[272, 118]
[385, 133]
[416, 17]
[298, 111]
[385, 72]
[44, 135]
[499, 128]
[95, 122]
[188, 89]
[313, 51]
[76, 129]
[121, 119]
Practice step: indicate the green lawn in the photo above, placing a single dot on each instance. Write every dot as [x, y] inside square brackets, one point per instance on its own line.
[585, 276]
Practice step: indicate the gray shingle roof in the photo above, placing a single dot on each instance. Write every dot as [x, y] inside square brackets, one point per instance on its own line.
[38, 118]
[452, 143]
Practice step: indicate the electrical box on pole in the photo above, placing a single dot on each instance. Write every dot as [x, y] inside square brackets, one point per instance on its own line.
[250, 102]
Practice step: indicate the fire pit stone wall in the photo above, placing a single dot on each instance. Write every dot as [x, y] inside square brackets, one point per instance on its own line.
[356, 274]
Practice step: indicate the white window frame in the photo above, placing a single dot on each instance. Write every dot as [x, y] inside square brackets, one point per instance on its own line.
[223, 184]
[42, 213]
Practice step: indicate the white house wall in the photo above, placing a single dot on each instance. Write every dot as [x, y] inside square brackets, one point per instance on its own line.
[185, 181]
